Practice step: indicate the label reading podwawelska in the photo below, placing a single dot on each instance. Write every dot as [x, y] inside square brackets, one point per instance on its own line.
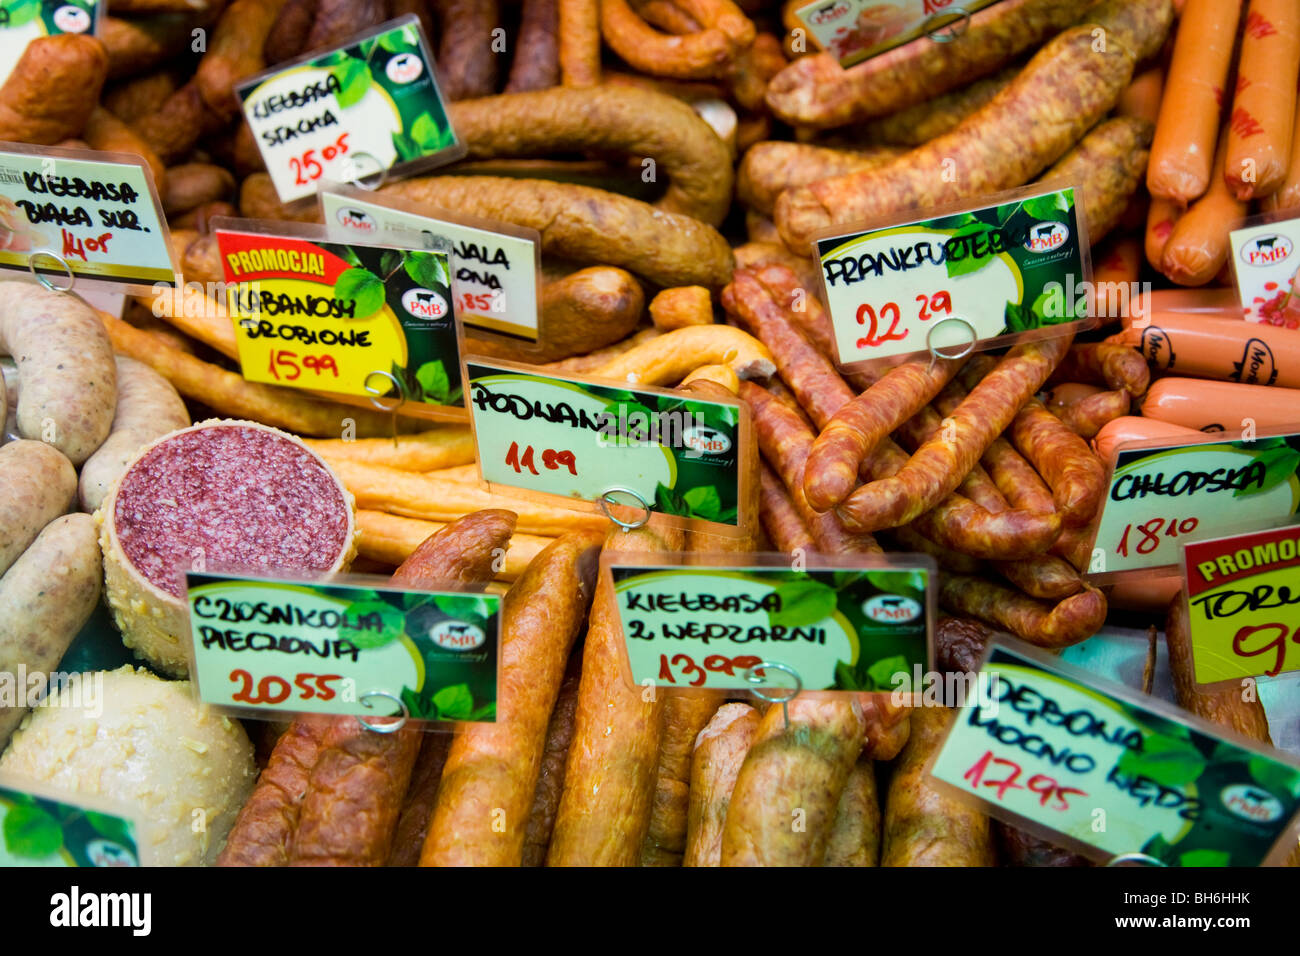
[838, 629]
[1161, 498]
[363, 108]
[329, 649]
[570, 438]
[1114, 775]
[1265, 264]
[1003, 269]
[22, 21]
[493, 275]
[36, 831]
[1243, 604]
[334, 317]
[102, 218]
[855, 30]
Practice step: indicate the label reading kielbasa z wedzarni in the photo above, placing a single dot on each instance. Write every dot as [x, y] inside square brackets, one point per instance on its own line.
[285, 646]
[100, 217]
[367, 107]
[347, 318]
[845, 629]
[856, 30]
[1243, 603]
[1085, 759]
[559, 436]
[997, 270]
[1164, 497]
[36, 830]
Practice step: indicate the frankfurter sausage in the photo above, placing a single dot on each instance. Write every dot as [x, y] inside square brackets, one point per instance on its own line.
[854, 839]
[1073, 619]
[1197, 247]
[719, 753]
[1132, 428]
[1287, 195]
[1252, 353]
[1141, 99]
[1219, 406]
[1162, 216]
[1090, 414]
[1263, 107]
[1104, 363]
[1075, 475]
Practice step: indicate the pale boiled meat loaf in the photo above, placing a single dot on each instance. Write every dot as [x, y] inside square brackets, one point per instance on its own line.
[222, 495]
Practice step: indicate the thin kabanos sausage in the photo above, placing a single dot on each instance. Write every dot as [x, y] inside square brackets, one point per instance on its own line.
[467, 59]
[1263, 107]
[536, 64]
[579, 26]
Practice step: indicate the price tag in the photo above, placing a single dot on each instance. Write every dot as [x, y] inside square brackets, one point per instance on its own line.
[22, 21]
[272, 646]
[494, 266]
[1165, 494]
[39, 827]
[1108, 772]
[849, 629]
[77, 214]
[856, 30]
[981, 276]
[1243, 604]
[1265, 265]
[368, 107]
[578, 440]
[346, 318]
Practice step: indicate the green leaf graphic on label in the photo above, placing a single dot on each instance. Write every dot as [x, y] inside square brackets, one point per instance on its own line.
[399, 41]
[454, 703]
[882, 673]
[1166, 760]
[354, 81]
[20, 13]
[362, 287]
[803, 603]
[970, 263]
[668, 501]
[1047, 207]
[377, 623]
[486, 712]
[1275, 777]
[1019, 318]
[406, 148]
[429, 134]
[845, 679]
[704, 502]
[427, 269]
[1279, 465]
[907, 583]
[112, 828]
[31, 832]
[1205, 858]
[432, 377]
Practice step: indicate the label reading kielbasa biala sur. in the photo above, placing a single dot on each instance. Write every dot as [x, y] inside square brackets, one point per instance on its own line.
[989, 271]
[97, 212]
[1265, 263]
[362, 109]
[841, 629]
[22, 21]
[1162, 498]
[646, 447]
[856, 30]
[1243, 603]
[493, 272]
[278, 646]
[37, 830]
[347, 318]
[1088, 760]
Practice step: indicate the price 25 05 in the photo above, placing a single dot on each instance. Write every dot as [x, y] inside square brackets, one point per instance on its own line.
[307, 168]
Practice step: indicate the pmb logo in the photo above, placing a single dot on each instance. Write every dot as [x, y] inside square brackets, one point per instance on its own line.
[404, 68]
[708, 441]
[457, 635]
[1266, 250]
[891, 609]
[357, 219]
[1251, 803]
[829, 13]
[1047, 236]
[424, 303]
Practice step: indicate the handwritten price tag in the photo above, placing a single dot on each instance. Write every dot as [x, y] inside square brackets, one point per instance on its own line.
[856, 30]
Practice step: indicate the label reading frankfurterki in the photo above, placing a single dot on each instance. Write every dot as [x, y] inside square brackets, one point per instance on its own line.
[854, 30]
[37, 831]
[1164, 497]
[336, 318]
[1001, 269]
[1265, 263]
[100, 217]
[1085, 760]
[567, 437]
[853, 630]
[285, 646]
[22, 21]
[366, 107]
[1243, 602]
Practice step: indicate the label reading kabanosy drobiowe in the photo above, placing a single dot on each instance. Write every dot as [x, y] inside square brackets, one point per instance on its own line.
[571, 438]
[367, 107]
[284, 647]
[995, 270]
[1160, 498]
[854, 30]
[1084, 759]
[22, 21]
[38, 831]
[847, 629]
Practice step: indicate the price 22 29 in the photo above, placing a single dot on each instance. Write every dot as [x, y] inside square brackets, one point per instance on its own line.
[928, 306]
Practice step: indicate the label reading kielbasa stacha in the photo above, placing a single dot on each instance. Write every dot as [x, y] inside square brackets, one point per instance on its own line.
[990, 273]
[347, 318]
[275, 646]
[856, 30]
[38, 829]
[22, 21]
[1163, 496]
[369, 107]
[1097, 768]
[849, 629]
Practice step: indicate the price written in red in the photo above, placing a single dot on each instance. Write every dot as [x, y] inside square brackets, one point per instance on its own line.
[290, 365]
[1041, 784]
[307, 168]
[276, 690]
[481, 302]
[552, 460]
[685, 668]
[1153, 532]
[927, 307]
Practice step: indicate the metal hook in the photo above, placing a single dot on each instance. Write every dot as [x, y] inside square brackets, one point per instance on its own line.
[935, 354]
[41, 277]
[753, 678]
[951, 25]
[1141, 858]
[605, 500]
[360, 181]
[376, 395]
[389, 728]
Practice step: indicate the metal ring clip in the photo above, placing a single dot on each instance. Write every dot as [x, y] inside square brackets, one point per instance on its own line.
[753, 678]
[955, 27]
[360, 181]
[1140, 858]
[605, 500]
[395, 724]
[935, 354]
[42, 278]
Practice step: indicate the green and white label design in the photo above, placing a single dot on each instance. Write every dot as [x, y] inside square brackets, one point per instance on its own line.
[282, 646]
[102, 218]
[571, 438]
[1098, 768]
[1000, 270]
[838, 630]
[1265, 263]
[37, 831]
[363, 108]
[856, 30]
[1162, 498]
[22, 21]
[494, 275]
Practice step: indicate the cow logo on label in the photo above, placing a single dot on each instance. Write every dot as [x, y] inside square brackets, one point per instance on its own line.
[108, 853]
[1047, 236]
[357, 219]
[1257, 365]
[829, 13]
[1266, 250]
[1251, 803]
[71, 19]
[404, 68]
[706, 440]
[891, 609]
[457, 635]
[424, 303]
